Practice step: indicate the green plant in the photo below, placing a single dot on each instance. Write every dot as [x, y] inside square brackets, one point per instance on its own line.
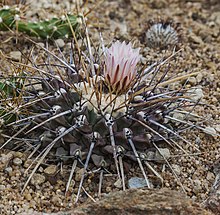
[49, 29]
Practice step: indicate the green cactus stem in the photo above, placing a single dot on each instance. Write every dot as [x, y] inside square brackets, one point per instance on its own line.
[49, 29]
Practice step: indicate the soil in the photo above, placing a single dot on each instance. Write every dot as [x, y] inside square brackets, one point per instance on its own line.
[127, 20]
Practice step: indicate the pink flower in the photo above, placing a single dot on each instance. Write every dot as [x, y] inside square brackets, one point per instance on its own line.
[120, 66]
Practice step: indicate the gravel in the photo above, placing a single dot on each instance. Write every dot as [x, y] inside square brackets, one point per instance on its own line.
[200, 53]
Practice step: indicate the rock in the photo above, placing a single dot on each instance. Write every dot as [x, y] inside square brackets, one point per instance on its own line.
[176, 168]
[192, 80]
[136, 182]
[78, 175]
[199, 77]
[197, 186]
[179, 116]
[8, 170]
[51, 170]
[216, 17]
[164, 153]
[37, 179]
[140, 202]
[195, 39]
[5, 159]
[2, 187]
[119, 27]
[118, 183]
[17, 161]
[41, 44]
[15, 55]
[60, 43]
[213, 201]
[195, 94]
[210, 130]
[27, 163]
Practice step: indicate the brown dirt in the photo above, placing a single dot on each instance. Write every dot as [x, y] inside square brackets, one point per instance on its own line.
[127, 20]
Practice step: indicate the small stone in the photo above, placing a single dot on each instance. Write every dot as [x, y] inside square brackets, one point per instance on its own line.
[2, 187]
[41, 44]
[150, 155]
[27, 196]
[192, 80]
[118, 183]
[15, 55]
[216, 17]
[210, 130]
[56, 200]
[161, 154]
[210, 176]
[60, 43]
[19, 155]
[17, 161]
[136, 182]
[61, 153]
[27, 163]
[176, 168]
[199, 77]
[41, 169]
[178, 116]
[78, 175]
[197, 186]
[37, 179]
[5, 158]
[108, 189]
[8, 170]
[195, 39]
[195, 94]
[51, 170]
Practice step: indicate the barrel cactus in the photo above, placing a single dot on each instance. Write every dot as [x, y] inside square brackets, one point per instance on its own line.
[99, 112]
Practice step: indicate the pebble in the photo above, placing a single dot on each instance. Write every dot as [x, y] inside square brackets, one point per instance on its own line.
[41, 44]
[176, 168]
[216, 17]
[159, 156]
[2, 187]
[50, 170]
[60, 43]
[192, 80]
[19, 155]
[37, 179]
[8, 170]
[17, 161]
[150, 155]
[118, 183]
[136, 182]
[210, 176]
[195, 94]
[199, 77]
[195, 39]
[210, 130]
[27, 163]
[5, 158]
[15, 55]
[79, 174]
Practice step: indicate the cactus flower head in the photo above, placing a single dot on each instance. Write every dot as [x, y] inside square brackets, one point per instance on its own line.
[120, 66]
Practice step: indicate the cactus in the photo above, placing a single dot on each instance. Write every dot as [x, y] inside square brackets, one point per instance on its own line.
[162, 34]
[103, 113]
[50, 29]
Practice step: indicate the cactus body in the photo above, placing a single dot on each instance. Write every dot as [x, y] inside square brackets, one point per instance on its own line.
[51, 29]
[108, 120]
